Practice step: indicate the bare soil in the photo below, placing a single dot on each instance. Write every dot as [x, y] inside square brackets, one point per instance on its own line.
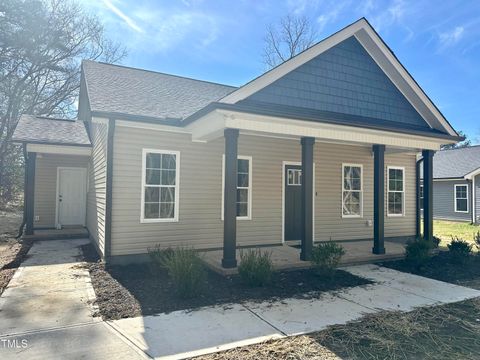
[140, 289]
[12, 251]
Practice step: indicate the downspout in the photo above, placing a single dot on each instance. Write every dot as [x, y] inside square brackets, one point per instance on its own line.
[24, 219]
[473, 202]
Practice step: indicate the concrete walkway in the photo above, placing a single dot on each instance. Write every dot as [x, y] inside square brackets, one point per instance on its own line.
[182, 334]
[46, 311]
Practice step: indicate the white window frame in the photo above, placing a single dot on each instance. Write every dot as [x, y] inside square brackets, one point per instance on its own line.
[295, 171]
[176, 210]
[250, 187]
[455, 198]
[343, 189]
[403, 192]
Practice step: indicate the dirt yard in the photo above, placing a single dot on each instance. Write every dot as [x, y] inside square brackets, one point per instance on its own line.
[11, 250]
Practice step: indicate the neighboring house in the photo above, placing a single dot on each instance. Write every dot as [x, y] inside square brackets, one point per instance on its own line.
[456, 184]
[322, 147]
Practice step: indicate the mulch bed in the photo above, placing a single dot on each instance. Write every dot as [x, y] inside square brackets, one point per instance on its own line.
[439, 267]
[135, 290]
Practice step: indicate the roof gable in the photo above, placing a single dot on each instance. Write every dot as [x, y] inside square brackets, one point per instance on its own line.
[381, 54]
[344, 79]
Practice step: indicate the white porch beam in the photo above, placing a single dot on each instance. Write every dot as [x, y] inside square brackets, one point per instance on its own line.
[60, 149]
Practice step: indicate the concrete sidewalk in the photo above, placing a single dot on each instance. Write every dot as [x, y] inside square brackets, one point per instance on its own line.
[46, 311]
[183, 334]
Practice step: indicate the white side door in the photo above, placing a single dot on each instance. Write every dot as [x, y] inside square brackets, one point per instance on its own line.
[71, 196]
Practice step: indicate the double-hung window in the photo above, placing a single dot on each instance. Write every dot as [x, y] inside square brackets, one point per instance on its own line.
[461, 198]
[160, 176]
[396, 191]
[244, 187]
[352, 190]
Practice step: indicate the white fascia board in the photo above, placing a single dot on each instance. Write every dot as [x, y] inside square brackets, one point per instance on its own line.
[151, 126]
[60, 149]
[380, 53]
[212, 126]
[472, 174]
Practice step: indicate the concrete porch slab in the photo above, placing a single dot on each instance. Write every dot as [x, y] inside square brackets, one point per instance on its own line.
[286, 257]
[183, 334]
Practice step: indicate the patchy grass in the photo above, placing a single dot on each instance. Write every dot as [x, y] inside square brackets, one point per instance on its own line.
[445, 230]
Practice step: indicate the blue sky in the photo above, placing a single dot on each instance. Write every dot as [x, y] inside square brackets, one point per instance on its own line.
[222, 41]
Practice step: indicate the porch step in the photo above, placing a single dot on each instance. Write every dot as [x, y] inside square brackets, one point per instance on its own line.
[63, 234]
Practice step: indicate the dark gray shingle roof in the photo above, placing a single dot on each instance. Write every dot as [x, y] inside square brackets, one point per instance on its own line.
[119, 89]
[42, 130]
[456, 163]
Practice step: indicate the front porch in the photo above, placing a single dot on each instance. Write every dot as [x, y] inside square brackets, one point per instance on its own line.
[287, 257]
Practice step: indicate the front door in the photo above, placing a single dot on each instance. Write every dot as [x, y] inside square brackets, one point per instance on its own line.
[71, 196]
[293, 202]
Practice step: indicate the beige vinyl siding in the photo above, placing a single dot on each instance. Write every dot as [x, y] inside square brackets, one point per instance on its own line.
[329, 224]
[97, 184]
[402, 225]
[46, 185]
[200, 191]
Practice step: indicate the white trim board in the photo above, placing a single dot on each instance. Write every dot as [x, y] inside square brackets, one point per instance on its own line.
[298, 163]
[380, 53]
[60, 149]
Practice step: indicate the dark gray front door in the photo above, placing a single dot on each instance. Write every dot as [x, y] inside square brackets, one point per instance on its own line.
[293, 202]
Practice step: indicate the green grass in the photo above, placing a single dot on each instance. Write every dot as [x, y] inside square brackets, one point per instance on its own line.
[446, 229]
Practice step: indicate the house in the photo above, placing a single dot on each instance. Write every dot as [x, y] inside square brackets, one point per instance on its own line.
[321, 148]
[456, 184]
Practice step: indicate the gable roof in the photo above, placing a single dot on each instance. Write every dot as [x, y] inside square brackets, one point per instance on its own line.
[456, 163]
[378, 50]
[124, 90]
[42, 130]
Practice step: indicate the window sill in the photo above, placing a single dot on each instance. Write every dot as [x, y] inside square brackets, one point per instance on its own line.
[153, 221]
[395, 215]
[352, 216]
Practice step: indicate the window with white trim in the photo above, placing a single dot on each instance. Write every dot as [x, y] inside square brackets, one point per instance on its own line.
[396, 191]
[461, 198]
[160, 185]
[244, 187]
[352, 190]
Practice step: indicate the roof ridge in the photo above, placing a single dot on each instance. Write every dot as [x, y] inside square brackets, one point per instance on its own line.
[161, 73]
[52, 118]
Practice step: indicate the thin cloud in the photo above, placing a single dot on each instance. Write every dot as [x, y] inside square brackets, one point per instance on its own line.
[123, 16]
[452, 37]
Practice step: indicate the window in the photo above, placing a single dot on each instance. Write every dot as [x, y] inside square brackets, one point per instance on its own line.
[160, 185]
[421, 197]
[352, 190]
[461, 198]
[396, 191]
[244, 187]
[294, 177]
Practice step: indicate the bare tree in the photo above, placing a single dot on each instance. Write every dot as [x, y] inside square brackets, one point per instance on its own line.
[286, 39]
[41, 45]
[462, 144]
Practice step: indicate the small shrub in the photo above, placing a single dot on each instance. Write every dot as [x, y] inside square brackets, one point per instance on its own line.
[255, 267]
[459, 251]
[417, 253]
[436, 242]
[326, 257]
[158, 256]
[185, 268]
[476, 238]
